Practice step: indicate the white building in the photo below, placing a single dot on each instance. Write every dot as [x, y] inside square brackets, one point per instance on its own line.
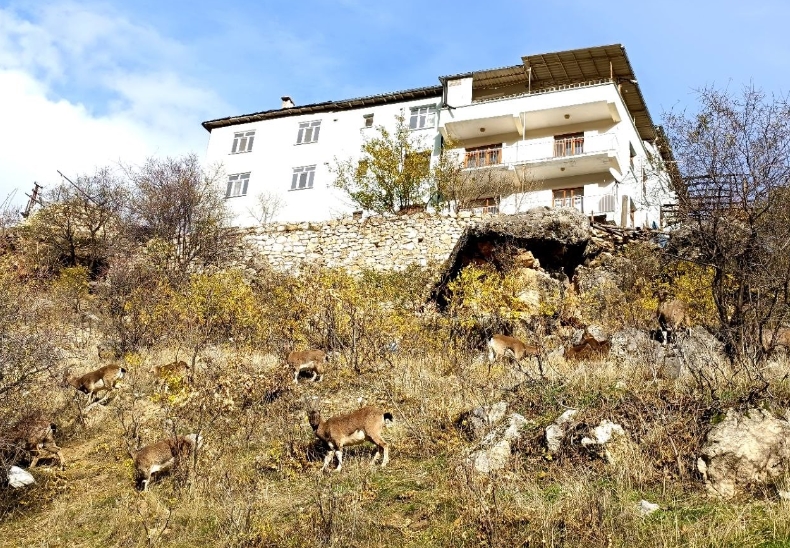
[569, 128]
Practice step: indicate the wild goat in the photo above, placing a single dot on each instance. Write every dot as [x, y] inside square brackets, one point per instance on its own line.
[351, 429]
[307, 360]
[162, 456]
[103, 378]
[500, 346]
[36, 436]
[672, 314]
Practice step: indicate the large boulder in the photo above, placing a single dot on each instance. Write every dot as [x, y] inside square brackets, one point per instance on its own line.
[555, 432]
[745, 450]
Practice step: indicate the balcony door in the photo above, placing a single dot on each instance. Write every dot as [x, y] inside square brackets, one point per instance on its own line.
[569, 197]
[569, 144]
[488, 155]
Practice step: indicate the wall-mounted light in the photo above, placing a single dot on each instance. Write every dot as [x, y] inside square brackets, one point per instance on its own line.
[567, 116]
[482, 130]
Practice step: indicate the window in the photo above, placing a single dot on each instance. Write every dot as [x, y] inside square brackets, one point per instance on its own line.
[569, 197]
[569, 144]
[242, 142]
[422, 117]
[237, 185]
[489, 155]
[368, 120]
[303, 177]
[308, 132]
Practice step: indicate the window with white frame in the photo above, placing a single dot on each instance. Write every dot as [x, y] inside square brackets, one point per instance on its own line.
[422, 117]
[308, 132]
[303, 177]
[237, 185]
[242, 142]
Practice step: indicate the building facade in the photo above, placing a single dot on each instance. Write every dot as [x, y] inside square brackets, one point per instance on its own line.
[566, 128]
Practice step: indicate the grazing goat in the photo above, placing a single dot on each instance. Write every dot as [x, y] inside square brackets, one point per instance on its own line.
[500, 346]
[588, 348]
[36, 436]
[350, 429]
[162, 456]
[672, 314]
[103, 378]
[307, 360]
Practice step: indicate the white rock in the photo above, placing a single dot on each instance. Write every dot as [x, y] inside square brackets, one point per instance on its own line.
[646, 508]
[18, 478]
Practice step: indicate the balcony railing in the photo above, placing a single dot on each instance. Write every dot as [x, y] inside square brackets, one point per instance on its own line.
[570, 146]
[541, 150]
[576, 202]
[483, 158]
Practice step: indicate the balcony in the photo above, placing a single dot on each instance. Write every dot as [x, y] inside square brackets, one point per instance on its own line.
[550, 158]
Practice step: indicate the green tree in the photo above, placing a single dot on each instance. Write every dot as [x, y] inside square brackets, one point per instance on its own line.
[392, 173]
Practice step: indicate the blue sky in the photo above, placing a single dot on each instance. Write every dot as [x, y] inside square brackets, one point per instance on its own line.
[89, 84]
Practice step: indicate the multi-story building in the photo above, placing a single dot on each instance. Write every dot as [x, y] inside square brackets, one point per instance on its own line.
[567, 128]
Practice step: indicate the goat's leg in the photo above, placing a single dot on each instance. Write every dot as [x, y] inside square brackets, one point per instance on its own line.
[381, 446]
[327, 459]
[34, 460]
[339, 454]
[296, 375]
[315, 374]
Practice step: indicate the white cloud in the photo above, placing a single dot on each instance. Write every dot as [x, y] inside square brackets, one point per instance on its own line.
[84, 88]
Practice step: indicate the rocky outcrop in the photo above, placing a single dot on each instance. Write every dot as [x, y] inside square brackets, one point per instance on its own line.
[494, 451]
[477, 422]
[745, 450]
[555, 432]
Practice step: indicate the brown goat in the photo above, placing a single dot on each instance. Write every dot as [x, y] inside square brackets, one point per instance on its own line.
[162, 456]
[36, 436]
[500, 346]
[307, 360]
[351, 429]
[672, 314]
[588, 348]
[104, 378]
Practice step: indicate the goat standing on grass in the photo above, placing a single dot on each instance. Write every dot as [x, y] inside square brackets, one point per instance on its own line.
[36, 436]
[103, 378]
[351, 429]
[672, 314]
[500, 346]
[307, 360]
[162, 456]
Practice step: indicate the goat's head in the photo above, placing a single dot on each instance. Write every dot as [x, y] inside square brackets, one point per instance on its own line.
[314, 418]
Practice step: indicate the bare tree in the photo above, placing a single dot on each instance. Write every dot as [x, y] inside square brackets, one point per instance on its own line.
[79, 225]
[461, 187]
[267, 205]
[180, 203]
[732, 179]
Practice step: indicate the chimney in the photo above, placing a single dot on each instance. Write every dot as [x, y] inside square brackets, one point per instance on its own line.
[287, 102]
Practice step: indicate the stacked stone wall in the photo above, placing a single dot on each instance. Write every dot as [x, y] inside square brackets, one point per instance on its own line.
[379, 243]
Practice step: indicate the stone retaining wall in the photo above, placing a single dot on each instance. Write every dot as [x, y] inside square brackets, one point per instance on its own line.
[380, 243]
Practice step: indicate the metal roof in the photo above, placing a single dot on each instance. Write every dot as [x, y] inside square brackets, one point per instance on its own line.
[574, 66]
[328, 106]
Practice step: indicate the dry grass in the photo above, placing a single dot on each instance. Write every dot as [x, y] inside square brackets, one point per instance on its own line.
[256, 482]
